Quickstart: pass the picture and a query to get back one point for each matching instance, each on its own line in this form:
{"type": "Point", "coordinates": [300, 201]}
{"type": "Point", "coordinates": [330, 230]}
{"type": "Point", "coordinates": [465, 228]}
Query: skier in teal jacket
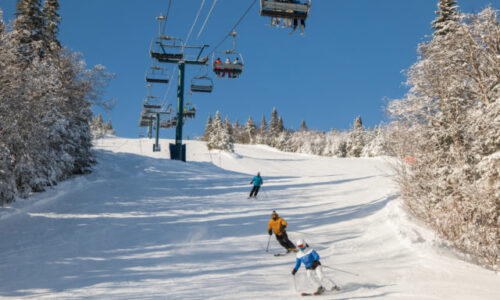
{"type": "Point", "coordinates": [257, 182]}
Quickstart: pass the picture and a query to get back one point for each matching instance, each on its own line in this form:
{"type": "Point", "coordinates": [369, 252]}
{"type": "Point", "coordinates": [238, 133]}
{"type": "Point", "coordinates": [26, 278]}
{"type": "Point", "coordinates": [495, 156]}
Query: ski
{"type": "Point", "coordinates": [280, 254]}
{"type": "Point", "coordinates": [311, 294]}
{"type": "Point", "coordinates": [334, 289]}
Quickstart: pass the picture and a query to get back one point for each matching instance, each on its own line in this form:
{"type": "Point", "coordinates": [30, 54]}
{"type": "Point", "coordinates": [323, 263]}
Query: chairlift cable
{"type": "Point", "coordinates": [168, 11]}
{"type": "Point", "coordinates": [234, 27]}
{"type": "Point", "coordinates": [206, 20]}
{"type": "Point", "coordinates": [192, 26]}
{"type": "Point", "coordinates": [163, 101]}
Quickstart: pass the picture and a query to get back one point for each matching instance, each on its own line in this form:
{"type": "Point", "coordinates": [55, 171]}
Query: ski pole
{"type": "Point", "coordinates": [268, 241]}
{"type": "Point", "coordinates": [340, 270]}
{"type": "Point", "coordinates": [294, 283]}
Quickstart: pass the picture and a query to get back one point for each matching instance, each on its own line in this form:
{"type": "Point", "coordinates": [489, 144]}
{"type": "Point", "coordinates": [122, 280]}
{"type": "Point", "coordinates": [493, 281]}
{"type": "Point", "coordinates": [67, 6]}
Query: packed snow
{"type": "Point", "coordinates": [142, 226]}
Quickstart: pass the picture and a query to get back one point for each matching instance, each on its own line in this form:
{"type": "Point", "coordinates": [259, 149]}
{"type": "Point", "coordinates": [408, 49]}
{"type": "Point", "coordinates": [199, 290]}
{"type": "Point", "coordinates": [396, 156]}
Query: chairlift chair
{"type": "Point", "coordinates": [232, 68]}
{"type": "Point", "coordinates": [166, 48]}
{"type": "Point", "coordinates": [202, 84]}
{"type": "Point", "coordinates": [151, 102]}
{"type": "Point", "coordinates": [230, 63]}
{"type": "Point", "coordinates": [157, 75]}
{"type": "Point", "coordinates": [165, 124]}
{"type": "Point", "coordinates": [288, 10]}
{"type": "Point", "coordinates": [189, 111]}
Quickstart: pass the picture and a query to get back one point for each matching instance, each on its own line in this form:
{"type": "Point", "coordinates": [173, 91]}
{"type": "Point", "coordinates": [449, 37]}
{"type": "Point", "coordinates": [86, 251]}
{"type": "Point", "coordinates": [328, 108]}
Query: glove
{"type": "Point", "coordinates": [294, 271]}
{"type": "Point", "coordinates": [270, 232]}
{"type": "Point", "coordinates": [282, 228]}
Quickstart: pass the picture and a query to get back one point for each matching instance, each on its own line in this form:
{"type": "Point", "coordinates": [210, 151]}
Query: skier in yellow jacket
{"type": "Point", "coordinates": [278, 226]}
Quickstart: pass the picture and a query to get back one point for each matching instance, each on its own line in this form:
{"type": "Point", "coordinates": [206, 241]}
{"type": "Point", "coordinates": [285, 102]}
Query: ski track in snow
{"type": "Point", "coordinates": [144, 227]}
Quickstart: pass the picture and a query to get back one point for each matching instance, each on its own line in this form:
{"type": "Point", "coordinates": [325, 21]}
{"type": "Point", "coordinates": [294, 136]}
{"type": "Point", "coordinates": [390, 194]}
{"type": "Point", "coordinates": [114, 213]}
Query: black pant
{"type": "Point", "coordinates": [284, 241]}
{"type": "Point", "coordinates": [254, 191]}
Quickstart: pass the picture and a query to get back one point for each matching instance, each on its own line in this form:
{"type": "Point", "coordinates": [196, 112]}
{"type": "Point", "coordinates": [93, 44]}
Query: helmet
{"type": "Point", "coordinates": [301, 244]}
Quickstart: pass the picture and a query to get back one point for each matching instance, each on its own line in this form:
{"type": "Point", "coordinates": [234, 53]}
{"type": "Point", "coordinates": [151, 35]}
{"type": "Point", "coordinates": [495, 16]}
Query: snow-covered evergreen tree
{"type": "Point", "coordinates": [52, 20]}
{"type": "Point", "coordinates": [45, 105]}
{"type": "Point", "coordinates": [100, 128]}
{"type": "Point", "coordinates": [274, 130]}
{"type": "Point", "coordinates": [219, 137]}
{"type": "Point", "coordinates": [208, 128]}
{"type": "Point", "coordinates": [447, 12]}
{"type": "Point", "coordinates": [262, 131]}
{"type": "Point", "coordinates": [447, 125]}
{"type": "Point", "coordinates": [356, 140]}
{"type": "Point", "coordinates": [2, 25]}
{"type": "Point", "coordinates": [250, 131]}
{"type": "Point", "coordinates": [281, 126]}
{"type": "Point", "coordinates": [303, 126]}
{"type": "Point", "coordinates": [228, 126]}
{"type": "Point", "coordinates": [28, 33]}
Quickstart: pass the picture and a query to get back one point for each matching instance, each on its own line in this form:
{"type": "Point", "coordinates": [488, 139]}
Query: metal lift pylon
{"type": "Point", "coordinates": [159, 52]}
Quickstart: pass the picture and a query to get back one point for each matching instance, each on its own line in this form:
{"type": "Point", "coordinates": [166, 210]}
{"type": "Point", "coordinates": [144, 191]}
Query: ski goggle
{"type": "Point", "coordinates": [302, 246]}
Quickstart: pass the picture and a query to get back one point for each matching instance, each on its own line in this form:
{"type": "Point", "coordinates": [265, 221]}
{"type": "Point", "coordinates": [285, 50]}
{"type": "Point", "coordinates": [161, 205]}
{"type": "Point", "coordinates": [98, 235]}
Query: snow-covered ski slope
{"type": "Point", "coordinates": [144, 227]}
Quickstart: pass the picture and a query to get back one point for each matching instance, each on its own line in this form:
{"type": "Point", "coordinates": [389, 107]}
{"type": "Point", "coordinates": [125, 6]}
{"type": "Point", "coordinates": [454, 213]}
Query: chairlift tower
{"type": "Point", "coordinates": [170, 50]}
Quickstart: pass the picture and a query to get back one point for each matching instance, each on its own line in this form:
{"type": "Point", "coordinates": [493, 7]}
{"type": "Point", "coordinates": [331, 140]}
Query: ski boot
{"type": "Point", "coordinates": [320, 291]}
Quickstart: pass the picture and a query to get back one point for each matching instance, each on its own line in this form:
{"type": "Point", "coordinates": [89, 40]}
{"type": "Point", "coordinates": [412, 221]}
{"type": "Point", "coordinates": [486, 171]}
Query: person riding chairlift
{"type": "Point", "coordinates": [217, 64]}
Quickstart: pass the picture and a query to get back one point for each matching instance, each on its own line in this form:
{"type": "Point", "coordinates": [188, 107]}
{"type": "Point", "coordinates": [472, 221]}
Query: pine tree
{"type": "Point", "coordinates": [303, 126]}
{"type": "Point", "coordinates": [229, 127]}
{"type": "Point", "coordinates": [250, 131]}
{"type": "Point", "coordinates": [208, 128]}
{"type": "Point", "coordinates": [273, 127]}
{"type": "Point", "coordinates": [2, 26]}
{"type": "Point", "coordinates": [28, 31]}
{"type": "Point", "coordinates": [52, 20]}
{"type": "Point", "coordinates": [447, 12]}
{"type": "Point", "coordinates": [356, 140]}
{"type": "Point", "coordinates": [219, 137]}
{"type": "Point", "coordinates": [281, 127]}
{"type": "Point", "coordinates": [237, 132]}
{"type": "Point", "coordinates": [262, 133]}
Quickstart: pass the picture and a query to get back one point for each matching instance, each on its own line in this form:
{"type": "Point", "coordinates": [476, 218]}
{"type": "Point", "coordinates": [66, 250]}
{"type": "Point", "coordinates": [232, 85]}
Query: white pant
{"type": "Point", "coordinates": [320, 277]}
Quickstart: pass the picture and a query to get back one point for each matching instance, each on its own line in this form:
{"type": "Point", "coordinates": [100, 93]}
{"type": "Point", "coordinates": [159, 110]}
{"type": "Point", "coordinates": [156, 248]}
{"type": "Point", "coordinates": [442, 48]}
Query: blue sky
{"type": "Point", "coordinates": [349, 63]}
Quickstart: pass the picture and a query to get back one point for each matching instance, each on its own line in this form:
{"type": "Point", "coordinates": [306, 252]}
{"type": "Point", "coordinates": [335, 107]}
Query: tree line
{"type": "Point", "coordinates": [356, 142]}
{"type": "Point", "coordinates": [46, 94]}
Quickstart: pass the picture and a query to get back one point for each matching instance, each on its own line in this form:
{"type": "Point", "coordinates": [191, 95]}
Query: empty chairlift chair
{"type": "Point", "coordinates": [157, 75]}
{"type": "Point", "coordinates": [202, 84]}
{"type": "Point", "coordinates": [166, 49]}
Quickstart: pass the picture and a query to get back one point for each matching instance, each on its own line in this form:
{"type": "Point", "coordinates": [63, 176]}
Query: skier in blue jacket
{"type": "Point", "coordinates": [310, 258]}
{"type": "Point", "coordinates": [257, 182]}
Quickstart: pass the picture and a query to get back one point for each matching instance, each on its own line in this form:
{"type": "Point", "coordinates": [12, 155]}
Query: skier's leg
{"type": "Point", "coordinates": [322, 278]}
{"type": "Point", "coordinates": [313, 279]}
{"type": "Point", "coordinates": [281, 241]}
{"type": "Point", "coordinates": [252, 192]}
{"type": "Point", "coordinates": [289, 244]}
{"type": "Point", "coordinates": [256, 191]}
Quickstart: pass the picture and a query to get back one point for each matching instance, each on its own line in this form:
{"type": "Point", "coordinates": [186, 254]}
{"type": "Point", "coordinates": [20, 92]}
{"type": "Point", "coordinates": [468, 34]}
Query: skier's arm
{"type": "Point", "coordinates": [283, 225]}
{"type": "Point", "coordinates": [297, 266]}
{"type": "Point", "coordinates": [315, 255]}
{"type": "Point", "coordinates": [269, 228]}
